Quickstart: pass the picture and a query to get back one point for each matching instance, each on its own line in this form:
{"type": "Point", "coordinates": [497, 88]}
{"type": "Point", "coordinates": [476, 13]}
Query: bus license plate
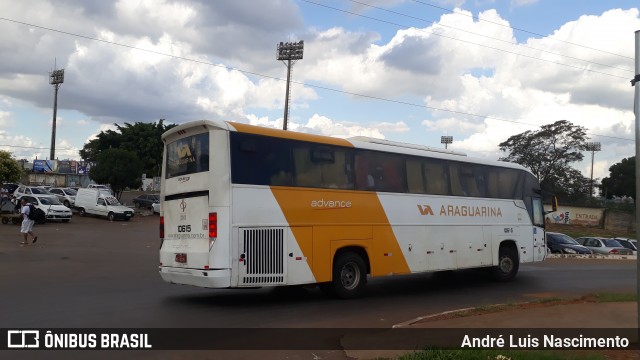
{"type": "Point", "coordinates": [181, 258]}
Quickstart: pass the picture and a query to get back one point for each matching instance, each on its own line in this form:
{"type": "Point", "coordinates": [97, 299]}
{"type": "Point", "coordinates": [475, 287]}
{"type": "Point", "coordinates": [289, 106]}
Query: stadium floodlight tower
{"type": "Point", "coordinates": [446, 140]}
{"type": "Point", "coordinates": [291, 52]}
{"type": "Point", "coordinates": [56, 78]}
{"type": "Point", "coordinates": [592, 146]}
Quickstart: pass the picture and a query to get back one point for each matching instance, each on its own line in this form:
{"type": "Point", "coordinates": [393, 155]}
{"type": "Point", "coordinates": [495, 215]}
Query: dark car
{"type": "Point", "coordinates": [559, 243]}
{"type": "Point", "coordinates": [145, 201]}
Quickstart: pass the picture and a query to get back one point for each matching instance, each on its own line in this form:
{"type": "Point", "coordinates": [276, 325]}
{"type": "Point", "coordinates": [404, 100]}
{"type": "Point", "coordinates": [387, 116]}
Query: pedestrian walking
{"type": "Point", "coordinates": [27, 224]}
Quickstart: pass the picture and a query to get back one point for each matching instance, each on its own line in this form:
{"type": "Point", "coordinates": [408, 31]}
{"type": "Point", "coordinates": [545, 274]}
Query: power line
{"type": "Point", "coordinates": [464, 41]}
{"type": "Point", "coordinates": [489, 37]}
{"type": "Point", "coordinates": [519, 29]}
{"type": "Point", "coordinates": [39, 148]}
{"type": "Point", "coordinates": [280, 79]}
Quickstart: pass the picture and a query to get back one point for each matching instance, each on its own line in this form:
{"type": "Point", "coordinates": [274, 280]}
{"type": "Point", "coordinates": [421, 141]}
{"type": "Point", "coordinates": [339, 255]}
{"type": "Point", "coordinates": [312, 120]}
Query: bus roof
{"type": "Point", "coordinates": [354, 142]}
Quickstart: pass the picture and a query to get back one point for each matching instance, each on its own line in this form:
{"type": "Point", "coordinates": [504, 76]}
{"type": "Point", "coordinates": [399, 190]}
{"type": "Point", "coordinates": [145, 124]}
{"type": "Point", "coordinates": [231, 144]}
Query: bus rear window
{"type": "Point", "coordinates": [188, 156]}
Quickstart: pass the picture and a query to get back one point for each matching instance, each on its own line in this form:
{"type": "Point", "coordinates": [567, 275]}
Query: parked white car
{"type": "Point", "coordinates": [156, 208]}
{"type": "Point", "coordinates": [29, 190]}
{"type": "Point", "coordinates": [66, 195]}
{"type": "Point", "coordinates": [52, 207]}
{"type": "Point", "coordinates": [103, 188]}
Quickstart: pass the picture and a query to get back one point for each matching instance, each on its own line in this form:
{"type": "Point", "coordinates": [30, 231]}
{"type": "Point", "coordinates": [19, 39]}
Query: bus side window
{"type": "Point", "coordinates": [415, 183]}
{"type": "Point", "coordinates": [277, 163]}
{"type": "Point", "coordinates": [364, 178]}
{"type": "Point", "coordinates": [435, 177]}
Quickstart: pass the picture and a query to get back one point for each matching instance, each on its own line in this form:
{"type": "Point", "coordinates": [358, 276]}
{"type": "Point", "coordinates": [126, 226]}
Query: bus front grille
{"type": "Point", "coordinates": [264, 256]}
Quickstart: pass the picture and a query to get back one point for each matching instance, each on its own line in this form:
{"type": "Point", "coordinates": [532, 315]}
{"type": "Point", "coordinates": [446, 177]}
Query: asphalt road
{"type": "Point", "coordinates": [95, 273]}
{"type": "Point", "coordinates": [92, 273]}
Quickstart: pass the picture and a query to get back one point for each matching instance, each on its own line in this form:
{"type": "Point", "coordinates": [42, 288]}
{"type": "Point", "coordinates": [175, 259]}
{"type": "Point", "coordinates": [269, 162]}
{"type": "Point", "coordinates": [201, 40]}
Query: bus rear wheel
{"type": "Point", "coordinates": [508, 264]}
{"type": "Point", "coordinates": [349, 276]}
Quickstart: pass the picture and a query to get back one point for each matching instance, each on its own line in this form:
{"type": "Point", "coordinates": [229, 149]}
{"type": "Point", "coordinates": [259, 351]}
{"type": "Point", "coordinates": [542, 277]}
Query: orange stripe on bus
{"type": "Point", "coordinates": [260, 130]}
{"type": "Point", "coordinates": [323, 221]}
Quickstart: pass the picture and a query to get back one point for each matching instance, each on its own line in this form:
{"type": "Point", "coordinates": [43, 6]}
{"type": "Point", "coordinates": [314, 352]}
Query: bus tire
{"type": "Point", "coordinates": [349, 276]}
{"type": "Point", "coordinates": [508, 264]}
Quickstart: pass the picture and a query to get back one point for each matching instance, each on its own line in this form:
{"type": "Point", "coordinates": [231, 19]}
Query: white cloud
{"type": "Point", "coordinates": [101, 128]}
{"type": "Point", "coordinates": [322, 125]}
{"type": "Point", "coordinates": [5, 119]}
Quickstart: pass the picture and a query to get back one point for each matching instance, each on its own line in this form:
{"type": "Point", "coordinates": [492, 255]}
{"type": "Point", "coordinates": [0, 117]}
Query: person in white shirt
{"type": "Point", "coordinates": [27, 224]}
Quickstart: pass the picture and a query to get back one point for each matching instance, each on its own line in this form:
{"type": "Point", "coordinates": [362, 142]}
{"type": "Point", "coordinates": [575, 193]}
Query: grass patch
{"type": "Point", "coordinates": [550, 300]}
{"type": "Point", "coordinates": [438, 354]}
{"type": "Point", "coordinates": [616, 297]}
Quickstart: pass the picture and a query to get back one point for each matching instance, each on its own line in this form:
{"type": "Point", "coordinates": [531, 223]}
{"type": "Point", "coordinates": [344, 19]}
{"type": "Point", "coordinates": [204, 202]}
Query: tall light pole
{"type": "Point", "coordinates": [56, 77]}
{"type": "Point", "coordinates": [592, 146]}
{"type": "Point", "coordinates": [636, 109]}
{"type": "Point", "coordinates": [289, 51]}
{"type": "Point", "coordinates": [446, 140]}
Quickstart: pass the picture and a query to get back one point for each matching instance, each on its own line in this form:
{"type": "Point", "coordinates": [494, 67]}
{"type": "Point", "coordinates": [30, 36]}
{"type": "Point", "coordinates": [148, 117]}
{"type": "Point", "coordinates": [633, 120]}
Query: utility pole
{"type": "Point", "coordinates": [636, 109]}
{"type": "Point", "coordinates": [592, 146]}
{"type": "Point", "coordinates": [289, 51]}
{"type": "Point", "coordinates": [446, 140]}
{"type": "Point", "coordinates": [56, 78]}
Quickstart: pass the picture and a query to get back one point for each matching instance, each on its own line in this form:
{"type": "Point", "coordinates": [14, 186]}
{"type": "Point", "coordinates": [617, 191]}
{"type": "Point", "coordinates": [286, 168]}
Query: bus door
{"type": "Point", "coordinates": [186, 228]}
{"type": "Point", "coordinates": [539, 245]}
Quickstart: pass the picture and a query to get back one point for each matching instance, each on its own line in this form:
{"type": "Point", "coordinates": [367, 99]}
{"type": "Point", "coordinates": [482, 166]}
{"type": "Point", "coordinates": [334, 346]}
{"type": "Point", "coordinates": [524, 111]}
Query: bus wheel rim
{"type": "Point", "coordinates": [350, 276]}
{"type": "Point", "coordinates": [506, 265]}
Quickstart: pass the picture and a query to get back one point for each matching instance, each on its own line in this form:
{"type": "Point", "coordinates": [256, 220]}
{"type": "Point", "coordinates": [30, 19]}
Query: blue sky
{"type": "Point", "coordinates": [403, 70]}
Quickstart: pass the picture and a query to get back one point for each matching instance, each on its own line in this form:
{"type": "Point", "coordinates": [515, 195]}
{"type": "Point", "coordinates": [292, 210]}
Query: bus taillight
{"type": "Point", "coordinates": [161, 227]}
{"type": "Point", "coordinates": [213, 225]}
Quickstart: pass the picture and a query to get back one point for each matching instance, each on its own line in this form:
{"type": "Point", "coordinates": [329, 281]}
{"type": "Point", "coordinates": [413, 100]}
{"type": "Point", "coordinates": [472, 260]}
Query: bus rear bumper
{"type": "Point", "coordinates": [197, 277]}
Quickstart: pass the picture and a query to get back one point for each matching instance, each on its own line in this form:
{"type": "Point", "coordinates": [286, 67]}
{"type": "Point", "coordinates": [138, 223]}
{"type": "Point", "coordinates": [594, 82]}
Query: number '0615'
{"type": "Point", "coordinates": [184, 228]}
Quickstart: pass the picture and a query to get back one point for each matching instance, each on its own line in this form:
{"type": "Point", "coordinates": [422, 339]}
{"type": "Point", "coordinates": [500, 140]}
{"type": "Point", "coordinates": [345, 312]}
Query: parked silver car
{"type": "Point", "coordinates": [603, 246]}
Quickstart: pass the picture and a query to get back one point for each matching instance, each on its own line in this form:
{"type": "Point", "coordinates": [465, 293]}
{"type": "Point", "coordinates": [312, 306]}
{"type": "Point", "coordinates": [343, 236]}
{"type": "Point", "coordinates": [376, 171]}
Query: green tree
{"type": "Point", "coordinates": [10, 169]}
{"type": "Point", "coordinates": [621, 180]}
{"type": "Point", "coordinates": [118, 168]}
{"type": "Point", "coordinates": [548, 153]}
{"type": "Point", "coordinates": [143, 139]}
{"type": "Point", "coordinates": [570, 185]}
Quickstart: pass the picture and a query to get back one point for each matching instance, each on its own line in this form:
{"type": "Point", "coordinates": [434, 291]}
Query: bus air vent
{"type": "Point", "coordinates": [264, 256]}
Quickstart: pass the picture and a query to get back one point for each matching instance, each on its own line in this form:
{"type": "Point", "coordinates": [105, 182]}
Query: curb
{"type": "Point", "coordinates": [592, 256]}
{"type": "Point", "coordinates": [420, 318]}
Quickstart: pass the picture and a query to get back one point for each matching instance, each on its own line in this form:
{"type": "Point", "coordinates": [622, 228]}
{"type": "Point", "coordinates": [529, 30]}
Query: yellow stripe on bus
{"type": "Point", "coordinates": [323, 221]}
{"type": "Point", "coordinates": [259, 130]}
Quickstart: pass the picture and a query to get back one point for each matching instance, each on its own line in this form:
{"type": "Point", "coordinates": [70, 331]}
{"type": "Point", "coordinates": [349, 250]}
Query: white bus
{"type": "Point", "coordinates": [247, 206]}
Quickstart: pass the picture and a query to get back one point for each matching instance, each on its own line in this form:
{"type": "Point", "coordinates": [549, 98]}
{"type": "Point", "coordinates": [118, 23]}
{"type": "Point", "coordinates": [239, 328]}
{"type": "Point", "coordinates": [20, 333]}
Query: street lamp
{"type": "Point", "coordinates": [289, 51]}
{"type": "Point", "coordinates": [56, 77]}
{"type": "Point", "coordinates": [446, 140]}
{"type": "Point", "coordinates": [592, 146]}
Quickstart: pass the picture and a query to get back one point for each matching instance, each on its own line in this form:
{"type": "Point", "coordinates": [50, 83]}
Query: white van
{"type": "Point", "coordinates": [94, 201]}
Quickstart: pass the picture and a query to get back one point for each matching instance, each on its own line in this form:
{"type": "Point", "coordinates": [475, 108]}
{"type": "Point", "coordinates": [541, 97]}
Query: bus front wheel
{"type": "Point", "coordinates": [349, 276]}
{"type": "Point", "coordinates": [508, 264]}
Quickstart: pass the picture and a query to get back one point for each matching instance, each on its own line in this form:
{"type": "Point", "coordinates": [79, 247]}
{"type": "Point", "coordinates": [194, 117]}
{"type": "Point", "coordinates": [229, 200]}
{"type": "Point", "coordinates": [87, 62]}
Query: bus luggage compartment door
{"type": "Point", "coordinates": [262, 259]}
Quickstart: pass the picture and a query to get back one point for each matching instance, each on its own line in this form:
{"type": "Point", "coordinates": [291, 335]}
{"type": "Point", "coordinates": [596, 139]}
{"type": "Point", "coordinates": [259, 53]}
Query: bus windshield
{"type": "Point", "coordinates": [188, 156]}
